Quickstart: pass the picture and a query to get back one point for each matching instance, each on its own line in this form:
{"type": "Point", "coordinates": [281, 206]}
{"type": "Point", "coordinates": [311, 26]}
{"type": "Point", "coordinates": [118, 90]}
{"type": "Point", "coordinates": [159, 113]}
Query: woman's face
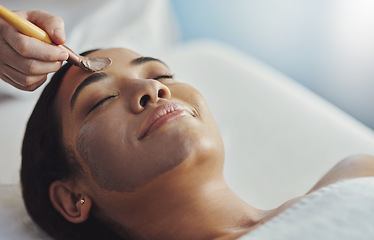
{"type": "Point", "coordinates": [133, 122]}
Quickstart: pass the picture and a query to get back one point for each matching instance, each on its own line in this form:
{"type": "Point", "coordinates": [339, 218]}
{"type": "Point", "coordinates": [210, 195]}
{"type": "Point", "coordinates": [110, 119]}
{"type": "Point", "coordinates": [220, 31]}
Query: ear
{"type": "Point", "coordinates": [67, 203]}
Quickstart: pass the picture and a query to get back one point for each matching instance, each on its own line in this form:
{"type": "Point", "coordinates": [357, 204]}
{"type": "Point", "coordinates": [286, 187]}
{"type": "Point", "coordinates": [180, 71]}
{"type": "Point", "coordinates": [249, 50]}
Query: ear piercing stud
{"type": "Point", "coordinates": [82, 201]}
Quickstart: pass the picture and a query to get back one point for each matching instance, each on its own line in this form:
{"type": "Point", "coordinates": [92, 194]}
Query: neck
{"type": "Point", "coordinates": [206, 211]}
{"type": "Point", "coordinates": [213, 212]}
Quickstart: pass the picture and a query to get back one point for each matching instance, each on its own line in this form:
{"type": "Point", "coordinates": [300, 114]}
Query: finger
{"type": "Point", "coordinates": [53, 25]}
{"type": "Point", "coordinates": [18, 86]}
{"type": "Point", "coordinates": [36, 67]}
{"type": "Point", "coordinates": [31, 66]}
{"type": "Point", "coordinates": [9, 81]}
{"type": "Point", "coordinates": [28, 66]}
{"type": "Point", "coordinates": [28, 82]}
{"type": "Point", "coordinates": [31, 47]}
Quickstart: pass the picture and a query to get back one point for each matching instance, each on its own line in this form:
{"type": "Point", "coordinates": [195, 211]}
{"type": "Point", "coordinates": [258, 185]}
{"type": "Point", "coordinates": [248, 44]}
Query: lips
{"type": "Point", "coordinates": [162, 115]}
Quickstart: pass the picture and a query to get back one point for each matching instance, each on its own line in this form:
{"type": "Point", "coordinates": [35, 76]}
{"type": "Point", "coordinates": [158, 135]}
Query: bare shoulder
{"type": "Point", "coordinates": [351, 167]}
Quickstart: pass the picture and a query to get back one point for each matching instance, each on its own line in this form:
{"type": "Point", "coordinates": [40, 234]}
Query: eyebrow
{"type": "Point", "coordinates": [141, 60]}
{"type": "Point", "coordinates": [89, 80]}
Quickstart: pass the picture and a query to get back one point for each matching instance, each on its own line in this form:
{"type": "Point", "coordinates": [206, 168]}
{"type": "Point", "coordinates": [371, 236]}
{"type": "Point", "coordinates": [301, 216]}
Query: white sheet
{"type": "Point", "coordinates": [342, 211]}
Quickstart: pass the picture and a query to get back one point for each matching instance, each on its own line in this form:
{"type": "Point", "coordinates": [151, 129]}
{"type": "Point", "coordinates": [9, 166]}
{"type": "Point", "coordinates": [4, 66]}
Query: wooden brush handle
{"type": "Point", "coordinates": [23, 26]}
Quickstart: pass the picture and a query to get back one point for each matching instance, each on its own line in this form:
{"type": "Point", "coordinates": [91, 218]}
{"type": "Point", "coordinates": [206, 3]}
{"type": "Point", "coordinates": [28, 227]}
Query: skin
{"type": "Point", "coordinates": [107, 138]}
{"type": "Point", "coordinates": [168, 185]}
{"type": "Point", "coordinates": [25, 61]}
{"type": "Point", "coordinates": [132, 163]}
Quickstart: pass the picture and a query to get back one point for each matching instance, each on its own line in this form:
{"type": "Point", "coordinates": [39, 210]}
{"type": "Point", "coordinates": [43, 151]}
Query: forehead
{"type": "Point", "coordinates": [120, 57]}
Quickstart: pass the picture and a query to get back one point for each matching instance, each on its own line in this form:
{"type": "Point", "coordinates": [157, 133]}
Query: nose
{"type": "Point", "coordinates": [147, 91]}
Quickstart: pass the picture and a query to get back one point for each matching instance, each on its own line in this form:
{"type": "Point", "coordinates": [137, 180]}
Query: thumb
{"type": "Point", "coordinates": [53, 25]}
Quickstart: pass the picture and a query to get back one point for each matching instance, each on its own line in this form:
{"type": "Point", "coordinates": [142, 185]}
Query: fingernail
{"type": "Point", "coordinates": [60, 34]}
{"type": "Point", "coordinates": [63, 56]}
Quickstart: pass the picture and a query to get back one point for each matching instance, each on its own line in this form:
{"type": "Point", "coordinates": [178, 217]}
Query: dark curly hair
{"type": "Point", "coordinates": [45, 160]}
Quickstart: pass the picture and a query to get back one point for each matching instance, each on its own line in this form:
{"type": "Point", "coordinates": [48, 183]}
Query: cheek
{"type": "Point", "coordinates": [118, 161]}
{"type": "Point", "coordinates": [98, 143]}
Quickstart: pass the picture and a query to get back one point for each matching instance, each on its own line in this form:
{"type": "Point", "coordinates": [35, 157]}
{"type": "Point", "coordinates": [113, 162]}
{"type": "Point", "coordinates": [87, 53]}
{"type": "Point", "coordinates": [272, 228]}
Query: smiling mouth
{"type": "Point", "coordinates": [162, 115]}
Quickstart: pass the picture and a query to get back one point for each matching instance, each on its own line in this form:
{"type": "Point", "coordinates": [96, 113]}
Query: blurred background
{"type": "Point", "coordinates": [326, 45]}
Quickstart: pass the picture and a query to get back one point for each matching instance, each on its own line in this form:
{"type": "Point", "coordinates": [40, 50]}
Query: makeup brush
{"type": "Point", "coordinates": [31, 30]}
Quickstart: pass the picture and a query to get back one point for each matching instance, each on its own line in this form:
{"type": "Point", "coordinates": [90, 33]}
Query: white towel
{"type": "Point", "coordinates": [340, 211]}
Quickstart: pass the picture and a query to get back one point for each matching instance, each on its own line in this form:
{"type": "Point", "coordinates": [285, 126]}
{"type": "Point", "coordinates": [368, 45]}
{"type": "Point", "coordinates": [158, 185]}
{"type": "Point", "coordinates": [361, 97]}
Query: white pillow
{"type": "Point", "coordinates": [14, 221]}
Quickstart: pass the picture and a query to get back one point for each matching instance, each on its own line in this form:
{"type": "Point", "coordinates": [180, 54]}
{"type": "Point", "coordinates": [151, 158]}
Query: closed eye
{"type": "Point", "coordinates": [100, 103]}
{"type": "Point", "coordinates": [164, 76]}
